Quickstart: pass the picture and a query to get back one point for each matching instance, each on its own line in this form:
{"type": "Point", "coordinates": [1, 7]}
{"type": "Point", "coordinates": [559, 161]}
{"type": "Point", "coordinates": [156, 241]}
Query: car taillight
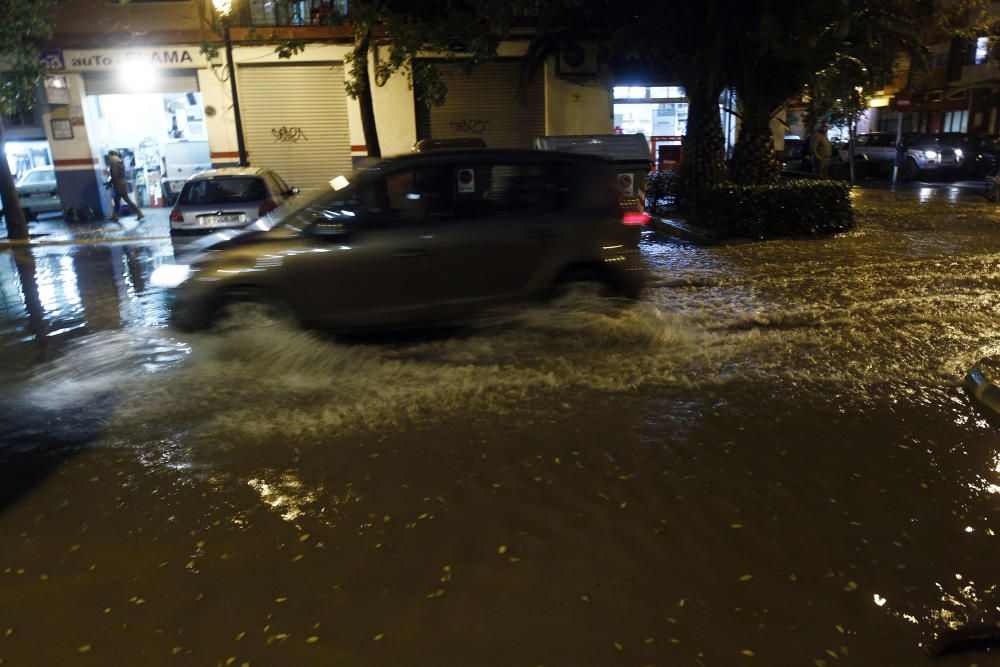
{"type": "Point", "coordinates": [176, 216]}
{"type": "Point", "coordinates": [266, 208]}
{"type": "Point", "coordinates": [635, 218]}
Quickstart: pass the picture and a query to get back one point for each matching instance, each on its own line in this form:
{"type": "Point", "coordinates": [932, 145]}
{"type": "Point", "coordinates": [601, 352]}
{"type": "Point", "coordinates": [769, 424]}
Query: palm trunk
{"type": "Point", "coordinates": [17, 226]}
{"type": "Point", "coordinates": [753, 156]}
{"type": "Point", "coordinates": [703, 165]}
{"type": "Point", "coordinates": [362, 79]}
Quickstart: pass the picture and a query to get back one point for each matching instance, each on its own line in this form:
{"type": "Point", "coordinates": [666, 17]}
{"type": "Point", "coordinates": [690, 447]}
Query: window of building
{"type": "Point", "coordinates": [982, 50]}
{"type": "Point", "coordinates": [956, 121]}
{"type": "Point", "coordinates": [666, 92]}
{"type": "Point", "coordinates": [296, 12]}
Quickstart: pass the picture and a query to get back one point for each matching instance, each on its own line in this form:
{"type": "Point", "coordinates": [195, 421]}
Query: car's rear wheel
{"type": "Point", "coordinates": [252, 308]}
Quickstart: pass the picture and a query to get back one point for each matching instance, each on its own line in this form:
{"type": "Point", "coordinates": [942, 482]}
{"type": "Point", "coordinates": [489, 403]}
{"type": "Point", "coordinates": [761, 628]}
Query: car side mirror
{"type": "Point", "coordinates": [293, 191]}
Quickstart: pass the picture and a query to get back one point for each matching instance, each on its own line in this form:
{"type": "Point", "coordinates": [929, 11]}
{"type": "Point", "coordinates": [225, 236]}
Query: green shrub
{"type": "Point", "coordinates": [661, 191]}
{"type": "Point", "coordinates": [790, 208]}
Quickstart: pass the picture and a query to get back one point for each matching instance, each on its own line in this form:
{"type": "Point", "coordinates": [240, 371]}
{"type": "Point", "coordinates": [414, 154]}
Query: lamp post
{"type": "Point", "coordinates": [224, 9]}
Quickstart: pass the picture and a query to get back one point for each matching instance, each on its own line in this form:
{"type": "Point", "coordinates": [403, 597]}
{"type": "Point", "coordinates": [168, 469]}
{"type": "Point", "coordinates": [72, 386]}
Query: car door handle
{"type": "Point", "coordinates": [411, 252]}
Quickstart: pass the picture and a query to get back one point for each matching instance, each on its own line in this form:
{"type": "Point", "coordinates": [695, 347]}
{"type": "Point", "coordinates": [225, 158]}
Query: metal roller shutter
{"type": "Point", "coordinates": [295, 121]}
{"type": "Point", "coordinates": [486, 104]}
{"type": "Point", "coordinates": [171, 81]}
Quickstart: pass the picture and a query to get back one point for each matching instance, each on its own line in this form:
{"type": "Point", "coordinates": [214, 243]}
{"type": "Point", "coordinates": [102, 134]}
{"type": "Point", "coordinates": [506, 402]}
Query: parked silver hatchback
{"type": "Point", "coordinates": [222, 198]}
{"type": "Point", "coordinates": [422, 239]}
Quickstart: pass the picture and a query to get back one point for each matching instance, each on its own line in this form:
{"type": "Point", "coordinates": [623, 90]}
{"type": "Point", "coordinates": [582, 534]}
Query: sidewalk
{"type": "Point", "coordinates": [55, 230]}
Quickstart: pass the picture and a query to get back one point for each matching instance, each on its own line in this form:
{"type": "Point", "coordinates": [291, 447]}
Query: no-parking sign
{"type": "Point", "coordinates": [626, 184]}
{"type": "Point", "coordinates": [466, 180]}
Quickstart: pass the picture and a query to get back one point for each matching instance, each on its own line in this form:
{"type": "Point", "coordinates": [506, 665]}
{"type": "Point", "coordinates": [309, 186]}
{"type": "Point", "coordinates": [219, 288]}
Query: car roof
{"type": "Point", "coordinates": [485, 154]}
{"type": "Point", "coordinates": [229, 172]}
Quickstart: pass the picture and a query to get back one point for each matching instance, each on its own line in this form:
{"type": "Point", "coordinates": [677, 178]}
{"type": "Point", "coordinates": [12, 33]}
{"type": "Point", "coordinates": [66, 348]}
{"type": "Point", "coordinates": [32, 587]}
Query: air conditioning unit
{"type": "Point", "coordinates": [577, 59]}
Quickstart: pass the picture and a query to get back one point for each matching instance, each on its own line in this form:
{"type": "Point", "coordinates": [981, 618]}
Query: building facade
{"type": "Point", "coordinates": [134, 77]}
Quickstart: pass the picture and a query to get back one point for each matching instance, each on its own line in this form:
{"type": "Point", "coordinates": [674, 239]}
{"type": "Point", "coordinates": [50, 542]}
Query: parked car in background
{"type": "Point", "coordinates": [925, 155]}
{"type": "Point", "coordinates": [980, 153]}
{"type": "Point", "coordinates": [232, 197]}
{"type": "Point", "coordinates": [37, 192]}
{"type": "Point", "coordinates": [871, 146]}
{"type": "Point", "coordinates": [181, 160]}
{"type": "Point", "coordinates": [422, 239]}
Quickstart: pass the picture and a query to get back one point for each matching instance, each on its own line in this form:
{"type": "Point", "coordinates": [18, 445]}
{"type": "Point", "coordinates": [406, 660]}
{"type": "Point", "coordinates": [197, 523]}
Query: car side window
{"type": "Point", "coordinates": [500, 190]}
{"type": "Point", "coordinates": [406, 196]}
{"type": "Point", "coordinates": [282, 186]}
{"type": "Point", "coordinates": [862, 140]}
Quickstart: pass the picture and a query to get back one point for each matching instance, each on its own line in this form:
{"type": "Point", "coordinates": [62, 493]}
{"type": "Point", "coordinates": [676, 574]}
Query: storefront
{"type": "Point", "coordinates": [486, 104]}
{"type": "Point", "coordinates": [295, 120]}
{"type": "Point", "coordinates": [661, 114]}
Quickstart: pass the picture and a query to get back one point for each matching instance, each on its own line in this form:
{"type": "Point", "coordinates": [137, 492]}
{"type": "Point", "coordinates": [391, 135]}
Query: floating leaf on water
{"type": "Point", "coordinates": [832, 654]}
{"type": "Point", "coordinates": [502, 550]}
{"type": "Point", "coordinates": [303, 537]}
{"type": "Point", "coordinates": [746, 577]}
{"type": "Point", "coordinates": [312, 640]}
{"type": "Point", "coordinates": [84, 648]}
{"type": "Point", "coordinates": [585, 598]}
{"type": "Point", "coordinates": [281, 599]}
{"type": "Point", "coordinates": [379, 636]}
{"type": "Point", "coordinates": [240, 636]}
{"type": "Point", "coordinates": [297, 558]}
{"type": "Point", "coordinates": [736, 525]}
{"type": "Point", "coordinates": [514, 559]}
{"type": "Point", "coordinates": [648, 640]}
{"type": "Point", "coordinates": [175, 650]}
{"type": "Point", "coordinates": [230, 660]}
{"type": "Point", "coordinates": [840, 628]}
{"type": "Point", "coordinates": [619, 646]}
{"type": "Point", "coordinates": [747, 652]}
{"type": "Point", "coordinates": [852, 585]}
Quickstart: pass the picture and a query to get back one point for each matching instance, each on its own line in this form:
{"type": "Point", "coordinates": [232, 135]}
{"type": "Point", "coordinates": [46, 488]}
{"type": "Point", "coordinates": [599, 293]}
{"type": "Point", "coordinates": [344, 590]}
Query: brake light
{"type": "Point", "coordinates": [266, 208]}
{"type": "Point", "coordinates": [176, 216]}
{"type": "Point", "coordinates": [635, 218]}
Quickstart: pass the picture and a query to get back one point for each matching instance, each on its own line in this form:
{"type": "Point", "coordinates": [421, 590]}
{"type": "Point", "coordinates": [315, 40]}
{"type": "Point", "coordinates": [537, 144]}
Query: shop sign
{"type": "Point", "coordinates": [168, 57]}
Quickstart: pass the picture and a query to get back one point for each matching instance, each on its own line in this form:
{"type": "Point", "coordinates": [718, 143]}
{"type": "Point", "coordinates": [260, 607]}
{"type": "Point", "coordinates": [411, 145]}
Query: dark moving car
{"type": "Point", "coordinates": [981, 153]}
{"type": "Point", "coordinates": [423, 239]}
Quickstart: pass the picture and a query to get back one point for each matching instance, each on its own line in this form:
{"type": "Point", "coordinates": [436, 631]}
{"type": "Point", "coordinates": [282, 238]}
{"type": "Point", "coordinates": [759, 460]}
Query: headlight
{"type": "Point", "coordinates": [170, 275]}
{"type": "Point", "coordinates": [930, 155]}
{"type": "Point", "coordinates": [959, 153]}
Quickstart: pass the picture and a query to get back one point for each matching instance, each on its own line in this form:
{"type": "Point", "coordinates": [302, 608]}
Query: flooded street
{"type": "Point", "coordinates": [767, 460]}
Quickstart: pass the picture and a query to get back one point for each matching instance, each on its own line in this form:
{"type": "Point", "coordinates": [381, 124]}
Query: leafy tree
{"type": "Point", "coordinates": [22, 24]}
{"type": "Point", "coordinates": [784, 45]}
{"type": "Point", "coordinates": [396, 35]}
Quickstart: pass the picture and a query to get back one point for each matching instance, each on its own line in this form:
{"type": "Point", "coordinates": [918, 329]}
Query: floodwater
{"type": "Point", "coordinates": [768, 460]}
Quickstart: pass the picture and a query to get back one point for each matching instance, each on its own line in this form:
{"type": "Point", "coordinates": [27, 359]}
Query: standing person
{"type": "Point", "coordinates": [119, 186]}
{"type": "Point", "coordinates": [821, 151]}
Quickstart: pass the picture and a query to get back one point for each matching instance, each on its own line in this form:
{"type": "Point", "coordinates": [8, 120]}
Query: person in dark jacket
{"type": "Point", "coordinates": [119, 186]}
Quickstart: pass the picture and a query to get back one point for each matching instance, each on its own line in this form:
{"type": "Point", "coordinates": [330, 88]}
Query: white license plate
{"type": "Point", "coordinates": [225, 219]}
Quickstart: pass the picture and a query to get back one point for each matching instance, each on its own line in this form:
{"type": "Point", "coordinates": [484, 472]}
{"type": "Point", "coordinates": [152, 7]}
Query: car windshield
{"type": "Point", "coordinates": [224, 190]}
{"type": "Point", "coordinates": [33, 177]}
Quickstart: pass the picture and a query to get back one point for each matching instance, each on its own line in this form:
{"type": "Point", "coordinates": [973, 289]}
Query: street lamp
{"type": "Point", "coordinates": [224, 10]}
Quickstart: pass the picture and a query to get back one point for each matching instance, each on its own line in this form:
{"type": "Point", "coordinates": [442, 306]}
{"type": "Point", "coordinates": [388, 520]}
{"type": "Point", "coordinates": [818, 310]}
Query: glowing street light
{"type": "Point", "coordinates": [224, 9]}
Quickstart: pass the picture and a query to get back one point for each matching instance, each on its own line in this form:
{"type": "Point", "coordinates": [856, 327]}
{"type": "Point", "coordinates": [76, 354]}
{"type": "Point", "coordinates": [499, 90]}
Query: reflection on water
{"type": "Point", "coordinates": [772, 442]}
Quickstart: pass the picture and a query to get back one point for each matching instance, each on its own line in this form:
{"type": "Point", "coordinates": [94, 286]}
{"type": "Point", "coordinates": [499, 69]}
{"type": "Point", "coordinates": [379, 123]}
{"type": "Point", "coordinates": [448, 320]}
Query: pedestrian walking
{"type": "Point", "coordinates": [821, 151]}
{"type": "Point", "coordinates": [119, 186]}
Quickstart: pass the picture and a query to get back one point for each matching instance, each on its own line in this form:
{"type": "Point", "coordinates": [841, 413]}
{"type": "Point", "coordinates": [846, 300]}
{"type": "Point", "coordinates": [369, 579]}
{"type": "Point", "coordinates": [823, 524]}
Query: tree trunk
{"type": "Point", "coordinates": [753, 156]}
{"type": "Point", "coordinates": [362, 44]}
{"type": "Point", "coordinates": [17, 226]}
{"type": "Point", "coordinates": [703, 165]}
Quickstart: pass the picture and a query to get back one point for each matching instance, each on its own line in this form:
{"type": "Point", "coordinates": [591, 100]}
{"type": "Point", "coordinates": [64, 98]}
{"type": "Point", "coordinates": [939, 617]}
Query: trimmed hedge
{"type": "Point", "coordinates": [788, 209]}
{"type": "Point", "coordinates": [661, 190]}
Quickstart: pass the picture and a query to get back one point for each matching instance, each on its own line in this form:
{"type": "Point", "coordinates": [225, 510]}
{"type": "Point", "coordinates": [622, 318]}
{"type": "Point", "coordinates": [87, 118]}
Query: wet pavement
{"type": "Point", "coordinates": [768, 460]}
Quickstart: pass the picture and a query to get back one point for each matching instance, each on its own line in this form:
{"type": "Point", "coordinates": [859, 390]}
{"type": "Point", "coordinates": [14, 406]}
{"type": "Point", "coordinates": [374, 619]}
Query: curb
{"type": "Point", "coordinates": [682, 230]}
